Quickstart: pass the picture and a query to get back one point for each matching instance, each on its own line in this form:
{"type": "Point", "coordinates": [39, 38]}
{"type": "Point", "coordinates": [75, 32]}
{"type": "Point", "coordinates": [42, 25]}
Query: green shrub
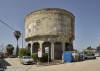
{"type": "Point", "coordinates": [23, 52]}
{"type": "Point", "coordinates": [43, 59]}
{"type": "Point", "coordinates": [85, 52]}
{"type": "Point", "coordinates": [35, 56]}
{"type": "Point", "coordinates": [89, 52]}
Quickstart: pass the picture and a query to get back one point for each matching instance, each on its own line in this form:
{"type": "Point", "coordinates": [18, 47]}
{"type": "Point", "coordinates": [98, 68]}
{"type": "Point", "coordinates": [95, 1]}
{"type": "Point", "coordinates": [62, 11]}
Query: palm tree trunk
{"type": "Point", "coordinates": [17, 48]}
{"type": "Point", "coordinates": [17, 42]}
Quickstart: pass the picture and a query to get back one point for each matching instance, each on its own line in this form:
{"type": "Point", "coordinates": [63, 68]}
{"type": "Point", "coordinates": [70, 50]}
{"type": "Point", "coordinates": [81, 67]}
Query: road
{"type": "Point", "coordinates": [13, 64]}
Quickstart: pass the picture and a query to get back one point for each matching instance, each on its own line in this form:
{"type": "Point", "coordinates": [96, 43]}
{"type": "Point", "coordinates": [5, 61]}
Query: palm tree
{"type": "Point", "coordinates": [9, 49]}
{"type": "Point", "coordinates": [17, 35]}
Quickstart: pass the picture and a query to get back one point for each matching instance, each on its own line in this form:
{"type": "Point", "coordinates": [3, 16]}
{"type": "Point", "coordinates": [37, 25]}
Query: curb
{"type": "Point", "coordinates": [49, 64]}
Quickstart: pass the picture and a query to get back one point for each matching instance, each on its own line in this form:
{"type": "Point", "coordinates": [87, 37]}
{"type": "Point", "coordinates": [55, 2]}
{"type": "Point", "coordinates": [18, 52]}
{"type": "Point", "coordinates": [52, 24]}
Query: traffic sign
{"type": "Point", "coordinates": [39, 52]}
{"type": "Point", "coordinates": [46, 49]}
{"type": "Point", "coordinates": [39, 49]}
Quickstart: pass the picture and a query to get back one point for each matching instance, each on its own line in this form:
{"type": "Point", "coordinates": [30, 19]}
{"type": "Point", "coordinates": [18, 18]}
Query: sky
{"type": "Point", "coordinates": [86, 12]}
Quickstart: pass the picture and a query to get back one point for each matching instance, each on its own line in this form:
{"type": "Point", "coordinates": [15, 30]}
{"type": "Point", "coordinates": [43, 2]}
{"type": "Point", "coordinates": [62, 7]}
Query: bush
{"type": "Point", "coordinates": [23, 52]}
{"type": "Point", "coordinates": [85, 52]}
{"type": "Point", "coordinates": [89, 52]}
{"type": "Point", "coordinates": [35, 56]}
{"type": "Point", "coordinates": [43, 59]}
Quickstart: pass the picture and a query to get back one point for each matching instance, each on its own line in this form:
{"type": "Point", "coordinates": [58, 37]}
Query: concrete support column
{"type": "Point", "coordinates": [52, 51]}
{"type": "Point", "coordinates": [31, 48]}
{"type": "Point", "coordinates": [63, 50]}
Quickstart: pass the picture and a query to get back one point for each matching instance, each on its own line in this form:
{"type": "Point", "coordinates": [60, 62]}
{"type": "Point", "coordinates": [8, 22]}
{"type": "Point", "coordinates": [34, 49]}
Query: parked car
{"type": "Point", "coordinates": [90, 56]}
{"type": "Point", "coordinates": [97, 55]}
{"type": "Point", "coordinates": [27, 60]}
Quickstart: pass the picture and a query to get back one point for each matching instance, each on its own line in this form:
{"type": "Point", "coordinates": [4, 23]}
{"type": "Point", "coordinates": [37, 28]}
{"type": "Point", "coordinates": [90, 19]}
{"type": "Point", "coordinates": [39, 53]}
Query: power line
{"type": "Point", "coordinates": [7, 25]}
{"type": "Point", "coordinates": [14, 30]}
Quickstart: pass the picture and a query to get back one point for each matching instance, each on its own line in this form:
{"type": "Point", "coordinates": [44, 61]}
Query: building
{"type": "Point", "coordinates": [50, 27]}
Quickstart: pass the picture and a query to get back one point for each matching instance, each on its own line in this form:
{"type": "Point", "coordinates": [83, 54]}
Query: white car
{"type": "Point", "coordinates": [27, 60]}
{"type": "Point", "coordinates": [97, 55]}
{"type": "Point", "coordinates": [90, 56]}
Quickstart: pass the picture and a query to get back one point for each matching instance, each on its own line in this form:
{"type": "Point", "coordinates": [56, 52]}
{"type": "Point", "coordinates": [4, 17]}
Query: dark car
{"type": "Point", "coordinates": [12, 56]}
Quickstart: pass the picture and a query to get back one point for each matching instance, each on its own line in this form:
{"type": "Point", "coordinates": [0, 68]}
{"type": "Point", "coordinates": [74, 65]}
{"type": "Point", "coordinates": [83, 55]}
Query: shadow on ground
{"type": "Point", "coordinates": [90, 59]}
{"type": "Point", "coordinates": [4, 65]}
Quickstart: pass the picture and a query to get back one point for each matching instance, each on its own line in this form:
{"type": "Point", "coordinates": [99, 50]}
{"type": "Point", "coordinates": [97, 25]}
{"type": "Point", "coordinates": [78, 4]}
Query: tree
{"type": "Point", "coordinates": [89, 47]}
{"type": "Point", "coordinates": [85, 52]}
{"type": "Point", "coordinates": [75, 50]}
{"type": "Point", "coordinates": [23, 52]}
{"type": "Point", "coordinates": [3, 48]}
{"type": "Point", "coordinates": [89, 52]}
{"type": "Point", "coordinates": [9, 49]}
{"type": "Point", "coordinates": [98, 47]}
{"type": "Point", "coordinates": [17, 35]}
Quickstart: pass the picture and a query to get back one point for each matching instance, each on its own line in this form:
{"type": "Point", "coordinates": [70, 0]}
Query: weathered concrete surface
{"type": "Point", "coordinates": [50, 25]}
{"type": "Point", "coordinates": [49, 21]}
{"type": "Point", "coordinates": [87, 65]}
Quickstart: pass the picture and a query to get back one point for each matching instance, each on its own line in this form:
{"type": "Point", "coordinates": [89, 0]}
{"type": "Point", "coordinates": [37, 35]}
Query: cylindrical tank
{"type": "Point", "coordinates": [49, 22]}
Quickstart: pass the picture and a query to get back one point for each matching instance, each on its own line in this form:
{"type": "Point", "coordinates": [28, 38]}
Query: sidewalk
{"type": "Point", "coordinates": [56, 62]}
